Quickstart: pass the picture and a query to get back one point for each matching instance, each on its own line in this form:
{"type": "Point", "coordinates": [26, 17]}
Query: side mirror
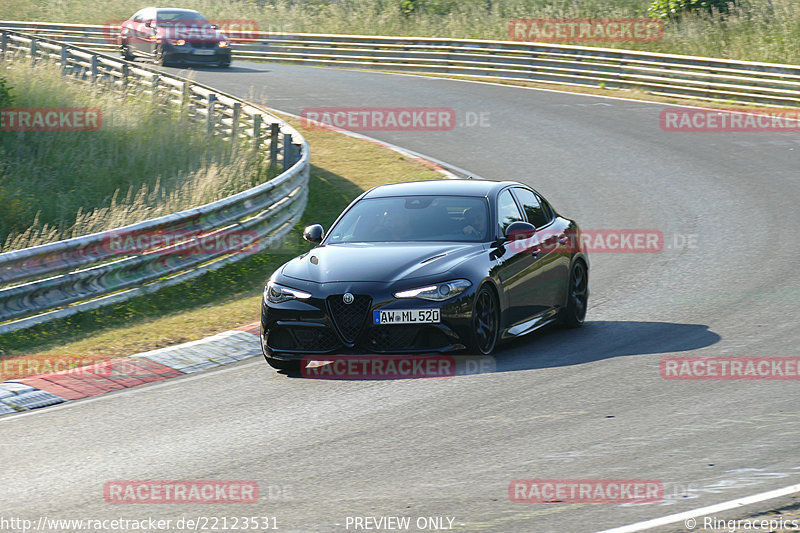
{"type": "Point", "coordinates": [149, 24]}
{"type": "Point", "coordinates": [519, 230]}
{"type": "Point", "coordinates": [314, 233]}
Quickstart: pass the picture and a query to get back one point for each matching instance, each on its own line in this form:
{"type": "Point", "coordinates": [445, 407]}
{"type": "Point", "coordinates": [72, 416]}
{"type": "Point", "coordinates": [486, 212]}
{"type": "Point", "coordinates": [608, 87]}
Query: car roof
{"type": "Point", "coordinates": [179, 9]}
{"type": "Point", "coordinates": [440, 187]}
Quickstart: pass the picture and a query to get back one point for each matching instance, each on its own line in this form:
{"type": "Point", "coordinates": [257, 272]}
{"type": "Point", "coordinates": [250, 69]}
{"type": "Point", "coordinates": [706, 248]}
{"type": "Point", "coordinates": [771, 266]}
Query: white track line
{"type": "Point", "coordinates": [689, 517]}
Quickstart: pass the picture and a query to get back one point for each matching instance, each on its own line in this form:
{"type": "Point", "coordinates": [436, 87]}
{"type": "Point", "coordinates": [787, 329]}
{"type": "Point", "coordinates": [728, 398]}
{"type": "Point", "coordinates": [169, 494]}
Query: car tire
{"type": "Point", "coordinates": [224, 64]}
{"type": "Point", "coordinates": [485, 331]}
{"type": "Point", "coordinates": [159, 56]}
{"type": "Point", "coordinates": [577, 296]}
{"type": "Point", "coordinates": [279, 364]}
{"type": "Point", "coordinates": [126, 52]}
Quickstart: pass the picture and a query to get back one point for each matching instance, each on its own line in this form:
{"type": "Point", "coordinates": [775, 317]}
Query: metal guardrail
{"type": "Point", "coordinates": [54, 280]}
{"type": "Point", "coordinates": [660, 74]}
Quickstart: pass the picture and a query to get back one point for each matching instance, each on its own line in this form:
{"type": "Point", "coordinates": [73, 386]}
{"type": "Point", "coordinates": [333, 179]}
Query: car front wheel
{"type": "Point", "coordinates": [577, 297]}
{"type": "Point", "coordinates": [159, 55]}
{"type": "Point", "coordinates": [125, 49]}
{"type": "Point", "coordinates": [485, 322]}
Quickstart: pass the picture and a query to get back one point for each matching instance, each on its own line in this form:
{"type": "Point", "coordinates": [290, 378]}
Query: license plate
{"type": "Point", "coordinates": [406, 316]}
{"type": "Point", "coordinates": [204, 52]}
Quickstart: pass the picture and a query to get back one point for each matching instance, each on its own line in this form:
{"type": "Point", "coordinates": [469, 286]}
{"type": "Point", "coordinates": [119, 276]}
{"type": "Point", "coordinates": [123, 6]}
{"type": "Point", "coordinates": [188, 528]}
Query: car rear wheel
{"type": "Point", "coordinates": [485, 322]}
{"type": "Point", "coordinates": [578, 296]}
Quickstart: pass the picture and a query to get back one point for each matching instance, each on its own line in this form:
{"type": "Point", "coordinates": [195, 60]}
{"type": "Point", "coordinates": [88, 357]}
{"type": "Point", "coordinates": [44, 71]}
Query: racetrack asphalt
{"type": "Point", "coordinates": [566, 405]}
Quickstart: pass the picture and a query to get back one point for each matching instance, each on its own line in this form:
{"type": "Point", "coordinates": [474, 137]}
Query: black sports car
{"type": "Point", "coordinates": [427, 267]}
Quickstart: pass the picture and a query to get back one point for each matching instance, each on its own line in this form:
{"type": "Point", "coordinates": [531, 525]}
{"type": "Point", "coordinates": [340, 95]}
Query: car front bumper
{"type": "Point", "coordinates": [197, 54]}
{"type": "Point", "coordinates": [323, 324]}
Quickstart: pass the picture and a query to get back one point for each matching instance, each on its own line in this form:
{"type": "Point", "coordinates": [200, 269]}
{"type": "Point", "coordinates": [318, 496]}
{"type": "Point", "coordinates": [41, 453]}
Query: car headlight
{"type": "Point", "coordinates": [276, 294]}
{"type": "Point", "coordinates": [437, 292]}
{"type": "Point", "coordinates": [223, 44]}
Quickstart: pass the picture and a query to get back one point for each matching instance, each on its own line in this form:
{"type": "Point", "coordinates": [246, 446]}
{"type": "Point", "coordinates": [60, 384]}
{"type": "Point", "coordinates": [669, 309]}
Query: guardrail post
{"type": "Point", "coordinates": [237, 112]}
{"type": "Point", "coordinates": [256, 131]}
{"type": "Point", "coordinates": [154, 88]}
{"type": "Point", "coordinates": [3, 46]}
{"type": "Point", "coordinates": [185, 97]}
{"type": "Point", "coordinates": [94, 69]}
{"type": "Point", "coordinates": [212, 100]}
{"type": "Point", "coordinates": [288, 151]}
{"type": "Point", "coordinates": [274, 132]}
{"type": "Point", "coordinates": [125, 74]}
{"type": "Point", "coordinates": [64, 56]}
{"type": "Point", "coordinates": [33, 51]}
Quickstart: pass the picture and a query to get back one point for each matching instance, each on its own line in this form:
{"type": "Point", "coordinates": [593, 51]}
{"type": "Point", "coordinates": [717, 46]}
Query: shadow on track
{"type": "Point", "coordinates": [551, 347]}
{"type": "Point", "coordinates": [186, 70]}
{"type": "Point", "coordinates": [601, 340]}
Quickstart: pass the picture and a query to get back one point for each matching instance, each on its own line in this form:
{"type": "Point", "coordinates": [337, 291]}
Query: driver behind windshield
{"type": "Point", "coordinates": [476, 223]}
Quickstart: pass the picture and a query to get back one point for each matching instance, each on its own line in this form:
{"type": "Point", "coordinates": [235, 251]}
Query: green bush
{"type": "Point", "coordinates": [673, 9]}
{"type": "Point", "coordinates": [5, 94]}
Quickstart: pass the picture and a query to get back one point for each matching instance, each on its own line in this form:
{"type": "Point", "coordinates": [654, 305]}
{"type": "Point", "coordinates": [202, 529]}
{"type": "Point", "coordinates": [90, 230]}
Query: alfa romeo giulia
{"type": "Point", "coordinates": [427, 267]}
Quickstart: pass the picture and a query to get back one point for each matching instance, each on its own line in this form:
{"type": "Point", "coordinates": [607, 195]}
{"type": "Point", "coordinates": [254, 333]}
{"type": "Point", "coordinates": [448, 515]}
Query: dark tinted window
{"type": "Point", "coordinates": [533, 209]}
{"type": "Point", "coordinates": [179, 16]}
{"type": "Point", "coordinates": [413, 218]}
{"type": "Point", "coordinates": [548, 209]}
{"type": "Point", "coordinates": [507, 211]}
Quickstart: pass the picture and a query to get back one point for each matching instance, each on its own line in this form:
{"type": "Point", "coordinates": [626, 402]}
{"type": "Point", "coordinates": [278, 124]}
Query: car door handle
{"type": "Point", "coordinates": [535, 251]}
{"type": "Point", "coordinates": [563, 239]}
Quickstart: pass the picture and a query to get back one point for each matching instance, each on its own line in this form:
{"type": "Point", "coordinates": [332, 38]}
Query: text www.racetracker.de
{"type": "Point", "coordinates": [196, 523]}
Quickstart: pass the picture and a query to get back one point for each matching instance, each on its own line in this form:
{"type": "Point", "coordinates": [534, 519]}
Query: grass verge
{"type": "Point", "coordinates": [342, 168]}
{"type": "Point", "coordinates": [142, 162]}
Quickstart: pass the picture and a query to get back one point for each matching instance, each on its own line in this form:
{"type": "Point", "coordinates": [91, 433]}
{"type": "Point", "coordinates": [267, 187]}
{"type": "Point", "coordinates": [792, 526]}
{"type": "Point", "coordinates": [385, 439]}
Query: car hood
{"type": "Point", "coordinates": [192, 33]}
{"type": "Point", "coordinates": [385, 262]}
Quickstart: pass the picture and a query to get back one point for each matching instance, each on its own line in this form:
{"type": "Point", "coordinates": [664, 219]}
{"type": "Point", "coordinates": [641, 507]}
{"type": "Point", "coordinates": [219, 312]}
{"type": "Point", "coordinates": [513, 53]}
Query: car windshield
{"type": "Point", "coordinates": [185, 17]}
{"type": "Point", "coordinates": [413, 218]}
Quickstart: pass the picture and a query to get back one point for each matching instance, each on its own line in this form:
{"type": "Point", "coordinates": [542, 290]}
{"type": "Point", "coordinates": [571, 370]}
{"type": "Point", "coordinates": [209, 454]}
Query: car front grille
{"type": "Point", "coordinates": [394, 338]}
{"type": "Point", "coordinates": [349, 319]}
{"type": "Point", "coordinates": [210, 45]}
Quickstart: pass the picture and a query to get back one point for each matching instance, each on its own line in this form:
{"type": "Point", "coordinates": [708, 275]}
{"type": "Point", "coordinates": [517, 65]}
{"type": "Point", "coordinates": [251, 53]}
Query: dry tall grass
{"type": "Point", "coordinates": [140, 164]}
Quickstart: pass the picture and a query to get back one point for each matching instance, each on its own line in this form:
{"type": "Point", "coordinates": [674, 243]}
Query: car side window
{"type": "Point", "coordinates": [533, 208]}
{"type": "Point", "coordinates": [507, 211]}
{"type": "Point", "coordinates": [138, 17]}
{"type": "Point", "coordinates": [547, 208]}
